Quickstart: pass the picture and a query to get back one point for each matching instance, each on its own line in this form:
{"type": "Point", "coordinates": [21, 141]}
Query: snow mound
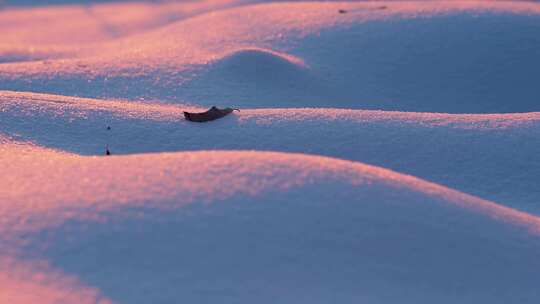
{"type": "Point", "coordinates": [93, 21]}
{"type": "Point", "coordinates": [258, 226]}
{"type": "Point", "coordinates": [259, 65]}
{"type": "Point", "coordinates": [230, 223]}
{"type": "Point", "coordinates": [253, 71]}
{"type": "Point", "coordinates": [475, 154]}
{"type": "Point", "coordinates": [455, 57]}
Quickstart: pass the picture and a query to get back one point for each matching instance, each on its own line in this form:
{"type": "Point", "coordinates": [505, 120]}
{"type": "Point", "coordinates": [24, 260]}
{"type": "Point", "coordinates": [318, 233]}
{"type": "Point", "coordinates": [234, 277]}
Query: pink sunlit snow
{"type": "Point", "coordinates": [384, 152]}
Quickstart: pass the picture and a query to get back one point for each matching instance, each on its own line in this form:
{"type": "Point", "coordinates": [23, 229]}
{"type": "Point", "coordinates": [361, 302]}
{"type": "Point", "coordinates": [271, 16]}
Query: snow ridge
{"type": "Point", "coordinates": [385, 152]}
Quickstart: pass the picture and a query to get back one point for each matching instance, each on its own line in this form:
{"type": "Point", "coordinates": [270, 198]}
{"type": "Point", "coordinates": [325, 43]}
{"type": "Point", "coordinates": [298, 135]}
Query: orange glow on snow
{"type": "Point", "coordinates": [49, 180]}
{"type": "Point", "coordinates": [36, 282]}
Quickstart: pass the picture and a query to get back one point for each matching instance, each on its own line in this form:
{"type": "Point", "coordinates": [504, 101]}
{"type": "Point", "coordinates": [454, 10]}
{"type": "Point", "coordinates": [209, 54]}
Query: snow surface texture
{"type": "Point", "coordinates": [476, 153]}
{"type": "Point", "coordinates": [435, 57]}
{"type": "Point", "coordinates": [203, 213]}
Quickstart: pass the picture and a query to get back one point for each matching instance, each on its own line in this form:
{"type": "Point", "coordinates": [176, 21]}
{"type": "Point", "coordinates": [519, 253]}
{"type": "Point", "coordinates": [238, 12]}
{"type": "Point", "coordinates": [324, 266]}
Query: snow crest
{"type": "Point", "coordinates": [384, 152]}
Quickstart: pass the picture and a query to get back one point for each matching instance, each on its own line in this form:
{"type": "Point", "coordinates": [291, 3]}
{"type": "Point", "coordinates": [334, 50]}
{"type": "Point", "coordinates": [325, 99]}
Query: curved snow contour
{"type": "Point", "coordinates": [475, 154]}
{"type": "Point", "coordinates": [40, 33]}
{"type": "Point", "coordinates": [42, 26]}
{"type": "Point", "coordinates": [253, 71]}
{"type": "Point", "coordinates": [456, 57]}
{"type": "Point", "coordinates": [242, 61]}
{"type": "Point", "coordinates": [201, 226]}
{"type": "Point", "coordinates": [36, 282]}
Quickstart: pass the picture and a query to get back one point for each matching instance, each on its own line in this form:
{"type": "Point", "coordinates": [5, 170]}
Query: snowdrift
{"type": "Point", "coordinates": [44, 25]}
{"type": "Point", "coordinates": [475, 154]}
{"type": "Point", "coordinates": [257, 226]}
{"type": "Point", "coordinates": [391, 56]}
{"type": "Point", "coordinates": [224, 221]}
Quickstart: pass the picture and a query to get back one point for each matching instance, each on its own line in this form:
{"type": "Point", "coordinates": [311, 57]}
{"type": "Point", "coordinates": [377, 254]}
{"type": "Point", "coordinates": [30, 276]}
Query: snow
{"type": "Point", "coordinates": [363, 59]}
{"type": "Point", "coordinates": [385, 154]}
{"type": "Point", "coordinates": [473, 153]}
{"type": "Point", "coordinates": [244, 226]}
